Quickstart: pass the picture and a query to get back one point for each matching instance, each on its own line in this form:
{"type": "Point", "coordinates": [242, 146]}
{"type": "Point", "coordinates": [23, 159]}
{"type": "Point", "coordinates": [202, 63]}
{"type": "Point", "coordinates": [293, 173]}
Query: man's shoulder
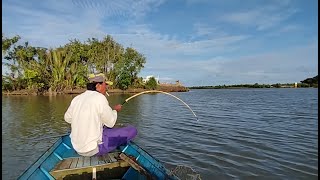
{"type": "Point", "coordinates": [83, 95]}
{"type": "Point", "coordinates": [93, 94]}
{"type": "Point", "coordinates": [98, 95]}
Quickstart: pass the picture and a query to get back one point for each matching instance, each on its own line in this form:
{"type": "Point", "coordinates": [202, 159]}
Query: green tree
{"type": "Point", "coordinates": [151, 83]}
{"type": "Point", "coordinates": [9, 51]}
{"type": "Point", "coordinates": [123, 80]}
{"type": "Point", "coordinates": [103, 55]}
{"type": "Point", "coordinates": [311, 81]}
{"type": "Point", "coordinates": [58, 61]}
{"type": "Point", "coordinates": [67, 67]}
{"type": "Point", "coordinates": [77, 69]}
{"type": "Point", "coordinates": [6, 85]}
{"type": "Point", "coordinates": [8, 42]}
{"type": "Point", "coordinates": [277, 85]}
{"type": "Point", "coordinates": [128, 68]}
{"type": "Point", "coordinates": [138, 83]}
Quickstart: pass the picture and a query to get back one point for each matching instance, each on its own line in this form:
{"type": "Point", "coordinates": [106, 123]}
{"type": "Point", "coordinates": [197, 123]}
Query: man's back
{"type": "Point", "coordinates": [84, 114]}
{"type": "Point", "coordinates": [92, 119]}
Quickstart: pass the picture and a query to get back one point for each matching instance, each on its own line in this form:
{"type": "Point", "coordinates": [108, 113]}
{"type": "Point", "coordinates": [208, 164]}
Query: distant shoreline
{"type": "Point", "coordinates": [256, 85]}
{"type": "Point", "coordinates": [167, 88]}
{"type": "Point", "coordinates": [251, 88]}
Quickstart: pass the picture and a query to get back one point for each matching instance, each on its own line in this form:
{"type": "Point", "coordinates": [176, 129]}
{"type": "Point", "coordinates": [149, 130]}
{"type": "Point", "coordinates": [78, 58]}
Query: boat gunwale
{"type": "Point", "coordinates": [33, 167]}
{"type": "Point", "coordinates": [157, 163]}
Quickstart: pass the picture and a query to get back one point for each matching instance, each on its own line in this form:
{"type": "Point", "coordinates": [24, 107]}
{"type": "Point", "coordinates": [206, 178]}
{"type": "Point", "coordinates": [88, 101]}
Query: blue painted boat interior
{"type": "Point", "coordinates": [63, 149]}
{"type": "Point", "coordinates": [152, 165]}
{"type": "Point", "coordinates": [60, 150]}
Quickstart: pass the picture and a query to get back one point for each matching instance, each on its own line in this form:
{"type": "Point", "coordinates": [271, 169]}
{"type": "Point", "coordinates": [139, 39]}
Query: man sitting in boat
{"type": "Point", "coordinates": [92, 119]}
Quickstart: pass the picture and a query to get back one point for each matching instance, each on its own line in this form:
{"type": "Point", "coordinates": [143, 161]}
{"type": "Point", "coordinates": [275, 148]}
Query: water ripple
{"type": "Point", "coordinates": [241, 134]}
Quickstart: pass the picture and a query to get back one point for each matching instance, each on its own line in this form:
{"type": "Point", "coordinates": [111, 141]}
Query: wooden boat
{"type": "Point", "coordinates": [61, 161]}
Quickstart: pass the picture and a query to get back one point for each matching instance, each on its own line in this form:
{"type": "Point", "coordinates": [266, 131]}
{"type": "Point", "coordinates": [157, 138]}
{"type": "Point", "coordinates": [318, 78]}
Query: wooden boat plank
{"type": "Point", "coordinates": [94, 160]}
{"type": "Point", "coordinates": [86, 161]}
{"type": "Point", "coordinates": [74, 163]}
{"type": "Point", "coordinates": [61, 173]}
{"type": "Point", "coordinates": [106, 158]}
{"type": "Point", "coordinates": [101, 160]}
{"type": "Point", "coordinates": [65, 164]}
{"type": "Point", "coordinates": [112, 157]}
{"type": "Point", "coordinates": [80, 162]}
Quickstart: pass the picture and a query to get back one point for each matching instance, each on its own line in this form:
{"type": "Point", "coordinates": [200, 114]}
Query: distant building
{"type": "Point", "coordinates": [178, 83]}
{"type": "Point", "coordinates": [146, 79]}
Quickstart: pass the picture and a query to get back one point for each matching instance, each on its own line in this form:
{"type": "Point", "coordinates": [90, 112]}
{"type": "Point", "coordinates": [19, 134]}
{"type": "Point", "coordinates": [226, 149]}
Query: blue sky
{"type": "Point", "coordinates": [199, 42]}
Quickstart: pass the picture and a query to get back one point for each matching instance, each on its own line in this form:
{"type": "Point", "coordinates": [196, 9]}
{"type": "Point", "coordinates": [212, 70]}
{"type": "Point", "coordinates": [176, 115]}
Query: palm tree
{"type": "Point", "coordinates": [58, 61]}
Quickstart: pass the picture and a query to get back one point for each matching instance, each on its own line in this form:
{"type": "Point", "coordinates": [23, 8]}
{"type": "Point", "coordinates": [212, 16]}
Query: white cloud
{"type": "Point", "coordinates": [262, 18]}
{"type": "Point", "coordinates": [210, 55]}
{"type": "Point", "coordinates": [51, 30]}
{"type": "Point", "coordinates": [151, 43]}
{"type": "Point", "coordinates": [282, 66]}
{"type": "Point", "coordinates": [278, 66]}
{"type": "Point", "coordinates": [77, 19]}
{"type": "Point", "coordinates": [119, 8]}
{"type": "Point", "coordinates": [192, 2]}
{"type": "Point", "coordinates": [204, 30]}
{"type": "Point", "coordinates": [290, 28]}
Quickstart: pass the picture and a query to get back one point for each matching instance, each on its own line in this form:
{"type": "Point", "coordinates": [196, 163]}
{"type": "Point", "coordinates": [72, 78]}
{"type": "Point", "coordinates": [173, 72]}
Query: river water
{"type": "Point", "coordinates": [241, 133]}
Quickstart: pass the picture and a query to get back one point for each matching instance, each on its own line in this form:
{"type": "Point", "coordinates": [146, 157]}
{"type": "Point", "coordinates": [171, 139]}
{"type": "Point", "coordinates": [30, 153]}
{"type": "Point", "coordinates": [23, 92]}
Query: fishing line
{"type": "Point", "coordinates": [156, 91]}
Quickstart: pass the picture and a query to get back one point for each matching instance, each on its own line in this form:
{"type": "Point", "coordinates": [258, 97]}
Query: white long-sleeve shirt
{"type": "Point", "coordinates": [87, 114]}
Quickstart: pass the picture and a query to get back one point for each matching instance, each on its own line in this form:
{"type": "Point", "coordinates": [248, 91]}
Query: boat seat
{"type": "Point", "coordinates": [77, 166]}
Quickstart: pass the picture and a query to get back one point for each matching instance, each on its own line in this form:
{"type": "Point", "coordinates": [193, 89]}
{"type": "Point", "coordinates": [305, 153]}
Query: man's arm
{"type": "Point", "coordinates": [108, 116]}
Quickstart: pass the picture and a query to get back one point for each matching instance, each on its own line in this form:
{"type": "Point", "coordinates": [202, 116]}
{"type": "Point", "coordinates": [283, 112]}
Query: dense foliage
{"type": "Point", "coordinates": [151, 84]}
{"type": "Point", "coordinates": [66, 67]}
{"type": "Point", "coordinates": [312, 82]}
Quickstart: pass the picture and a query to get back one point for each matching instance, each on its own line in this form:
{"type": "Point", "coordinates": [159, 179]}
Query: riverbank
{"type": "Point", "coordinates": [250, 86]}
{"type": "Point", "coordinates": [165, 88]}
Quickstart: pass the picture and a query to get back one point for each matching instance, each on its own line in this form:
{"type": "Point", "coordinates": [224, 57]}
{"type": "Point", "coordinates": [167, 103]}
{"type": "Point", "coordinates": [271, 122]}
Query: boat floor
{"type": "Point", "coordinates": [109, 165]}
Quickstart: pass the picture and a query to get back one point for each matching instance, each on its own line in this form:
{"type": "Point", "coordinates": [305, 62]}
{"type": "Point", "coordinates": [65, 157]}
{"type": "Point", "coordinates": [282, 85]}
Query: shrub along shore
{"type": "Point", "coordinates": [46, 70]}
{"type": "Point", "coordinates": [167, 88]}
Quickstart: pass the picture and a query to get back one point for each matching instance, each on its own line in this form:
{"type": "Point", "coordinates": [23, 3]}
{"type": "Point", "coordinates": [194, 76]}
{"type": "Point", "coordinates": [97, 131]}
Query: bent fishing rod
{"type": "Point", "coordinates": [156, 91]}
{"type": "Point", "coordinates": [126, 101]}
